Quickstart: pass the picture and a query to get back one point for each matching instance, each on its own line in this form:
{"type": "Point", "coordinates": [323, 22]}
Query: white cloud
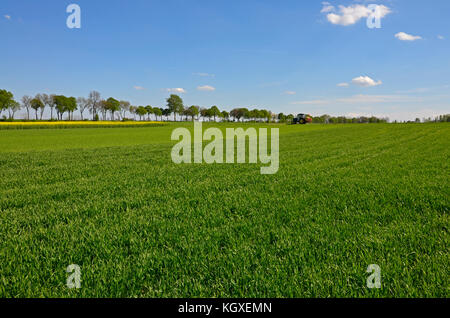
{"type": "Point", "coordinates": [290, 93]}
{"type": "Point", "coordinates": [365, 81]}
{"type": "Point", "coordinates": [343, 85]}
{"type": "Point", "coordinates": [402, 36]}
{"type": "Point", "coordinates": [139, 88]}
{"type": "Point", "coordinates": [206, 88]}
{"type": "Point", "coordinates": [327, 7]}
{"type": "Point", "coordinates": [7, 17]}
{"type": "Point", "coordinates": [440, 37]}
{"type": "Point", "coordinates": [353, 13]}
{"type": "Point", "coordinates": [176, 90]}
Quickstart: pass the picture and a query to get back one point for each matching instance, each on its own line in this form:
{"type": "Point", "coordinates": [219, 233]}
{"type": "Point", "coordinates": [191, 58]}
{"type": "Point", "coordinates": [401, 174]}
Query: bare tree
{"type": "Point", "coordinates": [26, 102]}
{"type": "Point", "coordinates": [83, 104]}
{"type": "Point", "coordinates": [49, 100]}
{"type": "Point", "coordinates": [94, 103]}
{"type": "Point", "coordinates": [44, 99]}
{"type": "Point", "coordinates": [124, 108]}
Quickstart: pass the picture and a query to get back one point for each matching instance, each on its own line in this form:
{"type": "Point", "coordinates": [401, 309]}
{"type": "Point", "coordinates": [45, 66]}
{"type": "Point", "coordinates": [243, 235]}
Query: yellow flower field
{"type": "Point", "coordinates": [74, 124]}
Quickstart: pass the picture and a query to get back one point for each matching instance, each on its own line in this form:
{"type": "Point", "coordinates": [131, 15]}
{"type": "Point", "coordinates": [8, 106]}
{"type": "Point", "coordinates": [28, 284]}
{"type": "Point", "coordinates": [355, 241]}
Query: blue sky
{"type": "Point", "coordinates": [287, 56]}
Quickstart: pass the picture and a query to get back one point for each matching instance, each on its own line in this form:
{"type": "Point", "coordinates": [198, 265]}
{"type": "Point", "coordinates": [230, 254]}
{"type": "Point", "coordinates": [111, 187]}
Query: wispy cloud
{"type": "Point", "coordinates": [139, 88]}
{"type": "Point", "coordinates": [204, 74]}
{"type": "Point", "coordinates": [327, 7]}
{"type": "Point", "coordinates": [312, 102]}
{"type": "Point", "coordinates": [343, 85]}
{"type": "Point", "coordinates": [440, 37]}
{"type": "Point", "coordinates": [290, 93]}
{"type": "Point", "coordinates": [402, 36]}
{"type": "Point", "coordinates": [7, 17]}
{"type": "Point", "coordinates": [206, 88]}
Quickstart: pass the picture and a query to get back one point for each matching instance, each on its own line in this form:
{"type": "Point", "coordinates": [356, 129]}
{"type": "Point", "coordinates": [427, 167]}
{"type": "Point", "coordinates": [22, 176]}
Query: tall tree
{"type": "Point", "coordinates": [158, 112]}
{"type": "Point", "coordinates": [239, 113]}
{"type": "Point", "coordinates": [204, 112]}
{"type": "Point", "coordinates": [6, 99]}
{"type": "Point", "coordinates": [149, 111]}
{"type": "Point", "coordinates": [60, 105]}
{"type": "Point", "coordinates": [225, 115]}
{"type": "Point", "coordinates": [214, 111]}
{"type": "Point", "coordinates": [26, 102]}
{"type": "Point", "coordinates": [71, 105]}
{"type": "Point", "coordinates": [124, 108]}
{"type": "Point", "coordinates": [94, 103]}
{"type": "Point", "coordinates": [175, 105]}
{"type": "Point", "coordinates": [48, 100]}
{"type": "Point", "coordinates": [43, 99]}
{"type": "Point", "coordinates": [166, 112]}
{"type": "Point", "coordinates": [13, 108]}
{"type": "Point", "coordinates": [103, 108]}
{"type": "Point", "coordinates": [133, 110]}
{"type": "Point", "coordinates": [141, 111]}
{"type": "Point", "coordinates": [193, 111]}
{"type": "Point", "coordinates": [83, 104]}
{"type": "Point", "coordinates": [113, 105]}
{"type": "Point", "coordinates": [36, 104]}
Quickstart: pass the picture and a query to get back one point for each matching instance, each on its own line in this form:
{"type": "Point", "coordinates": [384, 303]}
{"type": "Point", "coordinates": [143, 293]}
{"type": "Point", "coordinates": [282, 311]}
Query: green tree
{"type": "Point", "coordinates": [204, 112]}
{"type": "Point", "coordinates": [141, 111]}
{"type": "Point", "coordinates": [175, 105]}
{"type": "Point", "coordinates": [64, 104]}
{"type": "Point", "coordinates": [214, 111]}
{"type": "Point", "coordinates": [13, 108]}
{"type": "Point", "coordinates": [166, 112]}
{"type": "Point", "coordinates": [158, 112]}
{"type": "Point", "coordinates": [36, 104]}
{"type": "Point", "coordinates": [6, 99]}
{"type": "Point", "coordinates": [193, 111]}
{"type": "Point", "coordinates": [71, 106]}
{"type": "Point", "coordinates": [113, 105]}
{"type": "Point", "coordinates": [239, 113]}
{"type": "Point", "coordinates": [225, 115]}
{"type": "Point", "coordinates": [149, 111]}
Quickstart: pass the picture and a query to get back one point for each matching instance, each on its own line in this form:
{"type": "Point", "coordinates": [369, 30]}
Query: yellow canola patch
{"type": "Point", "coordinates": [74, 124]}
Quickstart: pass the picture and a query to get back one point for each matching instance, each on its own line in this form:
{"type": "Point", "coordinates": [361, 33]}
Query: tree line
{"type": "Point", "coordinates": [113, 109]}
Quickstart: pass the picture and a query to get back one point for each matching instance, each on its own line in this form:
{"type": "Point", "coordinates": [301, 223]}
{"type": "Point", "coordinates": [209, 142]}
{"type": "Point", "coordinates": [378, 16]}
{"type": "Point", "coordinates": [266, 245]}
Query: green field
{"type": "Point", "coordinates": [112, 201]}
